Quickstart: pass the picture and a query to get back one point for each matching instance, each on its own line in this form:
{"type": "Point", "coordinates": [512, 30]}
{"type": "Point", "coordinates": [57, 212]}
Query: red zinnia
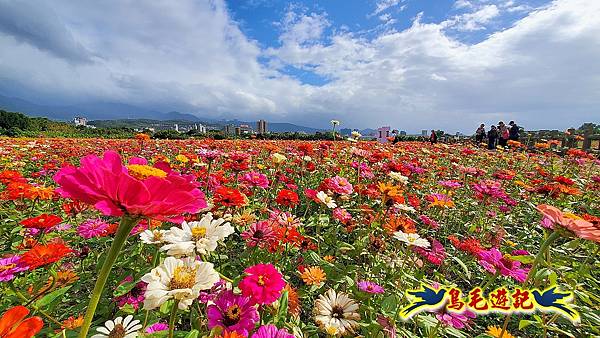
{"type": "Point", "coordinates": [14, 325]}
{"type": "Point", "coordinates": [287, 198]}
{"type": "Point", "coordinates": [229, 197]}
{"type": "Point", "coordinates": [41, 255]}
{"type": "Point", "coordinates": [43, 221]}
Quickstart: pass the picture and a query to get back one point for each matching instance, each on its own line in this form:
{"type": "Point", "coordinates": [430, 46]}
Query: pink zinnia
{"type": "Point", "coordinates": [435, 254]}
{"type": "Point", "coordinates": [493, 261]}
{"type": "Point", "coordinates": [92, 228]}
{"type": "Point", "coordinates": [137, 189]}
{"type": "Point", "coordinates": [157, 327]}
{"type": "Point", "coordinates": [342, 215]}
{"type": "Point", "coordinates": [370, 287]}
{"type": "Point", "coordinates": [258, 234]}
{"type": "Point", "coordinates": [256, 179]}
{"type": "Point", "coordinates": [271, 331]}
{"type": "Point", "coordinates": [263, 283]}
{"type": "Point", "coordinates": [233, 313]}
{"type": "Point", "coordinates": [456, 320]}
{"type": "Point", "coordinates": [339, 185]}
{"type": "Point", "coordinates": [10, 266]}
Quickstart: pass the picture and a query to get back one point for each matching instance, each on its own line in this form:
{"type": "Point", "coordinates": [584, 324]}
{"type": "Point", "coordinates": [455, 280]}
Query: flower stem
{"type": "Point", "coordinates": [538, 258]}
{"type": "Point", "coordinates": [172, 318]}
{"type": "Point", "coordinates": [127, 223]}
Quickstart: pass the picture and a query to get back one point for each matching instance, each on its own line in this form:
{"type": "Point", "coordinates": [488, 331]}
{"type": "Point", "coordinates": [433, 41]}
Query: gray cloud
{"type": "Point", "coordinates": [36, 24]}
{"type": "Point", "coordinates": [191, 56]}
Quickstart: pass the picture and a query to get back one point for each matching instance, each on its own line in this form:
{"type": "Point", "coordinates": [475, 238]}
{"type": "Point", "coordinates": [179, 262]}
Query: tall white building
{"type": "Point", "coordinates": [80, 121]}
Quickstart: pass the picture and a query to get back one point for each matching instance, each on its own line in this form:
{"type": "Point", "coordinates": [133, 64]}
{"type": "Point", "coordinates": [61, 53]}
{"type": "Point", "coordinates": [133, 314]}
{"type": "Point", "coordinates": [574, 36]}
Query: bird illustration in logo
{"type": "Point", "coordinates": [427, 298]}
{"type": "Point", "coordinates": [552, 300]}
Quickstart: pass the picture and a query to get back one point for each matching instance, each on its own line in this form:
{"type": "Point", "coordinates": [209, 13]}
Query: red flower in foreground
{"type": "Point", "coordinates": [41, 255]}
{"type": "Point", "coordinates": [43, 221]}
{"type": "Point", "coordinates": [287, 198]}
{"type": "Point", "coordinates": [229, 197]}
{"type": "Point", "coordinates": [14, 325]}
{"type": "Point", "coordinates": [137, 189]}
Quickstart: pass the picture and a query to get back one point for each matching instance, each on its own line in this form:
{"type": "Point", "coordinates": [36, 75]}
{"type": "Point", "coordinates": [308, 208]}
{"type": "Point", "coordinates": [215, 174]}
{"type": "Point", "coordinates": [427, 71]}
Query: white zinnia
{"type": "Point", "coordinates": [336, 313]}
{"type": "Point", "coordinates": [153, 236]}
{"type": "Point", "coordinates": [404, 207]}
{"type": "Point", "coordinates": [398, 177]}
{"type": "Point", "coordinates": [411, 239]}
{"type": "Point", "coordinates": [124, 328]}
{"type": "Point", "coordinates": [326, 199]}
{"type": "Point", "coordinates": [179, 279]}
{"type": "Point", "coordinates": [201, 237]}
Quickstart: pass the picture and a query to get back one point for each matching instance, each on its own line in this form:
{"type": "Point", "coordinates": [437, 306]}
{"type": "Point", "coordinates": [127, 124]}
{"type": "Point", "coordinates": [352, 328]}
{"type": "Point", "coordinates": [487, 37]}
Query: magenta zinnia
{"type": "Point", "coordinates": [232, 313]}
{"type": "Point", "coordinates": [137, 189]}
{"type": "Point", "coordinates": [263, 283]}
{"type": "Point", "coordinates": [271, 331]}
{"type": "Point", "coordinates": [370, 287]}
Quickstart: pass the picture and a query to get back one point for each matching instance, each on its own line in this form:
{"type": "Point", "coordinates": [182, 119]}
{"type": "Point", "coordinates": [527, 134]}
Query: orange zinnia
{"type": "Point", "coordinates": [580, 227]}
{"type": "Point", "coordinates": [313, 275]}
{"type": "Point", "coordinates": [13, 325]}
{"type": "Point", "coordinates": [293, 300]}
{"type": "Point", "coordinates": [45, 254]}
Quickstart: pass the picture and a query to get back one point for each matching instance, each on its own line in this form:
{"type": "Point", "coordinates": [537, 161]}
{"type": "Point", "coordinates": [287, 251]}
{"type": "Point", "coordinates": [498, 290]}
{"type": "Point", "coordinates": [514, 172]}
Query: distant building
{"type": "Point", "coordinates": [243, 129]}
{"type": "Point", "coordinates": [229, 129]}
{"type": "Point", "coordinates": [261, 127]}
{"type": "Point", "coordinates": [176, 127]}
{"type": "Point", "coordinates": [200, 128]}
{"type": "Point", "coordinates": [424, 132]}
{"type": "Point", "coordinates": [402, 133]}
{"type": "Point", "coordinates": [80, 121]}
{"type": "Point", "coordinates": [382, 134]}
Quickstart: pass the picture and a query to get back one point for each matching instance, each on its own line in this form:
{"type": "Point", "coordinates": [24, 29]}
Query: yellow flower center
{"type": "Point", "coordinates": [142, 172]}
{"type": "Point", "coordinates": [233, 312]}
{"type": "Point", "coordinates": [157, 235]}
{"type": "Point", "coordinates": [198, 232]}
{"type": "Point", "coordinates": [7, 267]}
{"type": "Point", "coordinates": [261, 280]}
{"type": "Point", "coordinates": [184, 277]}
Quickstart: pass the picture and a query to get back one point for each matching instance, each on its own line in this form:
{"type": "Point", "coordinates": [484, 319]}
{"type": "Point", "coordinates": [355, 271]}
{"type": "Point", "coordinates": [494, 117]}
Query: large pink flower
{"type": "Point", "coordinates": [580, 227]}
{"type": "Point", "coordinates": [263, 284]}
{"type": "Point", "coordinates": [137, 189]}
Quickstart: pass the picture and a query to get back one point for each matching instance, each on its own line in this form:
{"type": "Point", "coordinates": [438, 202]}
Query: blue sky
{"type": "Point", "coordinates": [410, 64]}
{"type": "Point", "coordinates": [262, 21]}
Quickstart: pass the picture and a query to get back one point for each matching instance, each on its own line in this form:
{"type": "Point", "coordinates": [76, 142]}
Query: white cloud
{"type": "Point", "coordinates": [475, 20]}
{"type": "Point", "coordinates": [383, 5]}
{"type": "Point", "coordinates": [190, 55]}
{"type": "Point", "coordinates": [463, 4]}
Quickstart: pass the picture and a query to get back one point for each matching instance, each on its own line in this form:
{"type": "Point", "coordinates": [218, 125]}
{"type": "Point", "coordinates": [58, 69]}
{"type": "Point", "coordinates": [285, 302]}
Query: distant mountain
{"type": "Point", "coordinates": [277, 127]}
{"type": "Point", "coordinates": [103, 111]}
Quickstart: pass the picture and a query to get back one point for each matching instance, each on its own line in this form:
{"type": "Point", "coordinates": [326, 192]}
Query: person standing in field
{"type": "Point", "coordinates": [433, 137]}
{"type": "Point", "coordinates": [492, 137]}
{"type": "Point", "coordinates": [513, 131]}
{"type": "Point", "coordinates": [503, 134]}
{"type": "Point", "coordinates": [480, 134]}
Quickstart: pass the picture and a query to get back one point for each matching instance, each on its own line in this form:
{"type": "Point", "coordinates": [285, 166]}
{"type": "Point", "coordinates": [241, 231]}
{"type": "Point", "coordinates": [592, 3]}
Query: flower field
{"type": "Point", "coordinates": [200, 238]}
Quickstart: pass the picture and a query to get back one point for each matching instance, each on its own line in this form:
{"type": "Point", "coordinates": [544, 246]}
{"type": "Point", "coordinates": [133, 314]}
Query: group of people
{"type": "Point", "coordinates": [497, 135]}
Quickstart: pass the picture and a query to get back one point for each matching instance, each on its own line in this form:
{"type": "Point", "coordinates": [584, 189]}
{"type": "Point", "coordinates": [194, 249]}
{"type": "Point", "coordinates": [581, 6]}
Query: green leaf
{"type": "Point", "coordinates": [49, 298]}
{"type": "Point", "coordinates": [124, 288]}
{"type": "Point", "coordinates": [389, 305]}
{"type": "Point", "coordinates": [283, 307]}
{"type": "Point", "coordinates": [467, 272]}
{"type": "Point", "coordinates": [193, 334]}
{"type": "Point", "coordinates": [527, 259]}
{"type": "Point", "coordinates": [525, 323]}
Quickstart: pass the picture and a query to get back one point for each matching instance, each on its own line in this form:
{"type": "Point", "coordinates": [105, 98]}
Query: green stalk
{"type": "Point", "coordinates": [172, 318]}
{"type": "Point", "coordinates": [127, 223]}
{"type": "Point", "coordinates": [538, 258]}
